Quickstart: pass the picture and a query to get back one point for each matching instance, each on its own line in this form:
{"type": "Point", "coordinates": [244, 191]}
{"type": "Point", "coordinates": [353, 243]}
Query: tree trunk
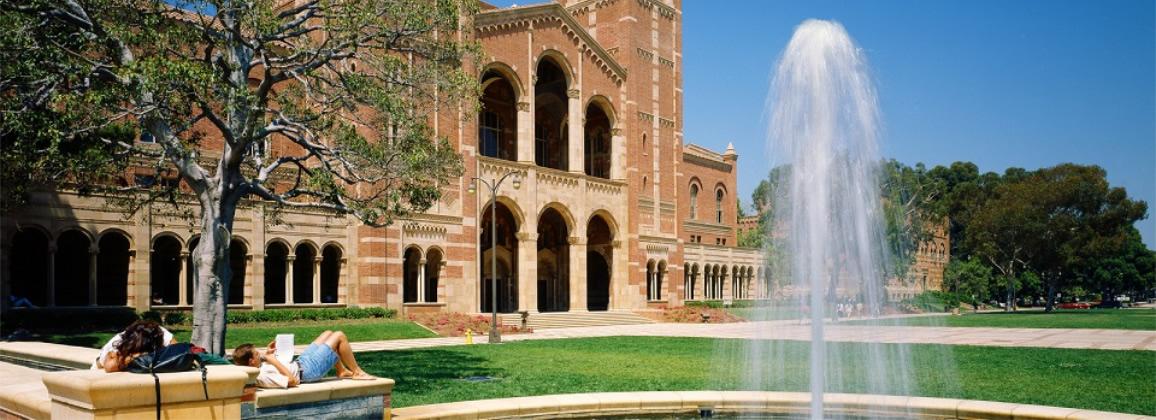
{"type": "Point", "coordinates": [212, 272]}
{"type": "Point", "coordinates": [1010, 289]}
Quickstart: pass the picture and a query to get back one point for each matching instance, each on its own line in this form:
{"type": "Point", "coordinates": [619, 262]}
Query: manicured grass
{"type": "Point", "coordinates": [261, 334]}
{"type": "Point", "coordinates": [1124, 319]}
{"type": "Point", "coordinates": [1091, 379]}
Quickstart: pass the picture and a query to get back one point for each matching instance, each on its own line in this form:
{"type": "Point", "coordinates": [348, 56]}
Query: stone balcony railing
{"type": "Point", "coordinates": [568, 184]}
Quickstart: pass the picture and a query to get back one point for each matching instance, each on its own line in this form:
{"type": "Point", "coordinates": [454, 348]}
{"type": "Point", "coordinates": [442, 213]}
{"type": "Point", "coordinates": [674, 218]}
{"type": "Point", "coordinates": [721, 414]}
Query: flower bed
{"type": "Point", "coordinates": [455, 324]}
{"type": "Point", "coordinates": [696, 315]}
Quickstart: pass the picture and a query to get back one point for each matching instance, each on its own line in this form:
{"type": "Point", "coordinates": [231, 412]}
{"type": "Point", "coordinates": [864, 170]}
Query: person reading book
{"type": "Point", "coordinates": [330, 349]}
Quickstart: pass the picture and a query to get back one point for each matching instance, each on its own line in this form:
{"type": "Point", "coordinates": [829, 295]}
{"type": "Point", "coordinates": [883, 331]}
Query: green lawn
{"type": "Point", "coordinates": [261, 334]}
{"type": "Point", "coordinates": [1124, 319]}
{"type": "Point", "coordinates": [1092, 379]}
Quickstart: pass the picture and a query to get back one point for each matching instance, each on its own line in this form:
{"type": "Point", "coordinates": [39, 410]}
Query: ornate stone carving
{"type": "Point", "coordinates": [523, 106]}
{"type": "Point", "coordinates": [616, 131]}
{"type": "Point", "coordinates": [573, 93]}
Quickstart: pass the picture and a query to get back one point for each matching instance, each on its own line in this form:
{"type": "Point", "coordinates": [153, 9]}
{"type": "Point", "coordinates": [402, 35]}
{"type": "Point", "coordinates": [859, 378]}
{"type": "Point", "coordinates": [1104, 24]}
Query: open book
{"type": "Point", "coordinates": [285, 348]}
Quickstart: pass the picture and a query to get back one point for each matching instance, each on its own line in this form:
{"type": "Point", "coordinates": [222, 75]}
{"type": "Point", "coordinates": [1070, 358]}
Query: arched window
{"type": "Point", "coordinates": [718, 204]}
{"type": "Point", "coordinates": [693, 201]}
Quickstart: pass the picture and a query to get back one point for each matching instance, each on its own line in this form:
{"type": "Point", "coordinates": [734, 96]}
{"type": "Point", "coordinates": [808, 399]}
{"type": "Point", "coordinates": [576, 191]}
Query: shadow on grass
{"type": "Point", "coordinates": [426, 370]}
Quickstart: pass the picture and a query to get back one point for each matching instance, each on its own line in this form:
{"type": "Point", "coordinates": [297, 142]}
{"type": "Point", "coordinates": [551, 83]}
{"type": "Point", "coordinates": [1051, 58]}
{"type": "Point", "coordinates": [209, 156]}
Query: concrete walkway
{"type": "Point", "coordinates": [790, 330]}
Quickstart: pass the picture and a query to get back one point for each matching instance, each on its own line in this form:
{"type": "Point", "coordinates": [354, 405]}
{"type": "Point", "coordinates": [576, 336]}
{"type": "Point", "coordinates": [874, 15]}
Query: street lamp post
{"type": "Point", "coordinates": [495, 336]}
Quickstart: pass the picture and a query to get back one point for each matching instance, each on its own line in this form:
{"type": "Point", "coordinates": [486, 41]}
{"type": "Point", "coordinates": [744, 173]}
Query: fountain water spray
{"type": "Point", "coordinates": [828, 223]}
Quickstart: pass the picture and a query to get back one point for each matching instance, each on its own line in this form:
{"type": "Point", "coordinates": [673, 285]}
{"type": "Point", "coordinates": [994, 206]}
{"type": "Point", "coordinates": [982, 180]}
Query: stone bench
{"type": "Point", "coordinates": [328, 398]}
{"type": "Point", "coordinates": [84, 393]}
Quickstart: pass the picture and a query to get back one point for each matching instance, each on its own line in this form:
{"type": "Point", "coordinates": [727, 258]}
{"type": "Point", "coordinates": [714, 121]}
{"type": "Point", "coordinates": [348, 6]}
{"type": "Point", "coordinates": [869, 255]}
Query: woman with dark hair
{"type": "Point", "coordinates": [139, 338]}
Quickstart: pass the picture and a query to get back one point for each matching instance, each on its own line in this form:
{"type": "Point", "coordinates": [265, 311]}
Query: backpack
{"type": "Point", "coordinates": [180, 357]}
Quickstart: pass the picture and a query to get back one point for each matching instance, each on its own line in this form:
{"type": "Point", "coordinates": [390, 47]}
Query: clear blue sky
{"type": "Point", "coordinates": [1025, 83]}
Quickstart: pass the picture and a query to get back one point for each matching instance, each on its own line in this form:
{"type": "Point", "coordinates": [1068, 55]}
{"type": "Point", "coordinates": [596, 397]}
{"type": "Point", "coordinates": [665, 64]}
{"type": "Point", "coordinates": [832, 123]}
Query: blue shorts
{"type": "Point", "coordinates": [315, 362]}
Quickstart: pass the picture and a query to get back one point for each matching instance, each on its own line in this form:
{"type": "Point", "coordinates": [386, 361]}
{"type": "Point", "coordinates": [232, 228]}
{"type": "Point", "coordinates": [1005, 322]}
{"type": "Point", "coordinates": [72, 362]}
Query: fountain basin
{"type": "Point", "coordinates": [689, 404]}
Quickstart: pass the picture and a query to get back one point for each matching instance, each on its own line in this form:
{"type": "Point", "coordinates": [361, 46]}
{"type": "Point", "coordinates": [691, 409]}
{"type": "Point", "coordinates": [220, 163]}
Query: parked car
{"type": "Point", "coordinates": [1075, 305]}
{"type": "Point", "coordinates": [1110, 304]}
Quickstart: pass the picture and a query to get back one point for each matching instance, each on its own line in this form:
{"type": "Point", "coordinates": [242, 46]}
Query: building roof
{"type": "Point", "coordinates": [496, 19]}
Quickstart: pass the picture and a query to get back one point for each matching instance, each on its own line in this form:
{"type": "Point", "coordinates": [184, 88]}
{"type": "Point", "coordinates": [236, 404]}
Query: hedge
{"type": "Point", "coordinates": [321, 314]}
{"type": "Point", "coordinates": [68, 319]}
{"type": "Point", "coordinates": [114, 319]}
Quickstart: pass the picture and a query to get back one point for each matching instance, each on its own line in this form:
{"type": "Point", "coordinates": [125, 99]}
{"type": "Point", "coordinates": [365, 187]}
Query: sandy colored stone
{"type": "Point", "coordinates": [990, 410]}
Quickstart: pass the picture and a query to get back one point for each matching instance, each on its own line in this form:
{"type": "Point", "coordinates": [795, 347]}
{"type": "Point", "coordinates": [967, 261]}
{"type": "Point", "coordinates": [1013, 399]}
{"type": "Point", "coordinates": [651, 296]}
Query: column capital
{"type": "Point", "coordinates": [576, 240]}
{"type": "Point", "coordinates": [523, 106]}
{"type": "Point", "coordinates": [527, 236]}
{"type": "Point", "coordinates": [573, 93]}
{"type": "Point", "coordinates": [290, 258]}
{"type": "Point", "coordinates": [615, 131]}
{"type": "Point", "coordinates": [422, 261]}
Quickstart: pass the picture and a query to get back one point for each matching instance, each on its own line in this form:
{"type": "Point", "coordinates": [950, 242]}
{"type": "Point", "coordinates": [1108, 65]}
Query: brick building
{"type": "Point", "coordinates": [582, 101]}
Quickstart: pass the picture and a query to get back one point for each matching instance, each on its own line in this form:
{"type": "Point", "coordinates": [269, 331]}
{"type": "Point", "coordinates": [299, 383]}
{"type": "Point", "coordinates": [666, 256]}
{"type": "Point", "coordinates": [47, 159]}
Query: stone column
{"type": "Point", "coordinates": [289, 259]}
{"type": "Point", "coordinates": [528, 271]}
{"type": "Point", "coordinates": [617, 154]}
{"type": "Point", "coordinates": [183, 279]}
{"type": "Point", "coordinates": [525, 142]}
{"type": "Point", "coordinates": [577, 273]}
{"type": "Point", "coordinates": [50, 297]}
{"type": "Point", "coordinates": [93, 254]}
{"type": "Point", "coordinates": [421, 280]}
{"type": "Point", "coordinates": [316, 280]}
{"type": "Point", "coordinates": [131, 280]}
{"type": "Point", "coordinates": [257, 250]}
{"type": "Point", "coordinates": [342, 282]}
{"type": "Point", "coordinates": [577, 147]}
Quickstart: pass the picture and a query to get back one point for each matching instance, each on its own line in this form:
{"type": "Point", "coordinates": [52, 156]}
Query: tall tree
{"type": "Point", "coordinates": [1082, 216]}
{"type": "Point", "coordinates": [1001, 228]}
{"type": "Point", "coordinates": [313, 103]}
{"type": "Point", "coordinates": [912, 208]}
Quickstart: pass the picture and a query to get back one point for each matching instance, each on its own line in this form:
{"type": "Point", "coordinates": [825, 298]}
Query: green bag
{"type": "Point", "coordinates": [212, 359]}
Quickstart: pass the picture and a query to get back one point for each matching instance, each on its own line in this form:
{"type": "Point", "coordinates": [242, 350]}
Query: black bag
{"type": "Point", "coordinates": [180, 357]}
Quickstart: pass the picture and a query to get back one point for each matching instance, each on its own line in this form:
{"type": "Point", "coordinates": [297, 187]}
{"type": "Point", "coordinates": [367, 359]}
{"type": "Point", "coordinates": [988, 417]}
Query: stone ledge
{"type": "Point", "coordinates": [97, 390]}
{"type": "Point", "coordinates": [57, 354]}
{"type": "Point", "coordinates": [327, 389]}
{"type": "Point", "coordinates": [666, 402]}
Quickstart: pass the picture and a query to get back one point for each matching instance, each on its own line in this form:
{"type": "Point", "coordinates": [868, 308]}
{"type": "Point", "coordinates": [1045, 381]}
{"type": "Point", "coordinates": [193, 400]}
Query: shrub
{"type": "Point", "coordinates": [718, 304]}
{"type": "Point", "coordinates": [319, 314]}
{"type": "Point", "coordinates": [931, 301]}
{"type": "Point", "coordinates": [68, 319]}
{"type": "Point", "coordinates": [175, 318]}
{"type": "Point", "coordinates": [153, 316]}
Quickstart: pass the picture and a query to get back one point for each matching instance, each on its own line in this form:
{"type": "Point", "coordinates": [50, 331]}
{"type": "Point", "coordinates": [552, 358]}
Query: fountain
{"type": "Point", "coordinates": [823, 138]}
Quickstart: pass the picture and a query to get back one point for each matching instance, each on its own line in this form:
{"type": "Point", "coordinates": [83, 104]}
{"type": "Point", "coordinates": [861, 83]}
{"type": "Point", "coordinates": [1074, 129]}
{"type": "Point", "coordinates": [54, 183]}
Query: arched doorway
{"type": "Point", "coordinates": [411, 267]}
{"type": "Point", "coordinates": [276, 268]}
{"type": "Point", "coordinates": [498, 118]}
{"type": "Point", "coordinates": [238, 255]}
{"type": "Point", "coordinates": [599, 263]}
{"type": "Point", "coordinates": [28, 275]}
{"type": "Point", "coordinates": [112, 270]}
{"type": "Point", "coordinates": [553, 262]}
{"type": "Point", "coordinates": [330, 273]}
{"type": "Point", "coordinates": [165, 271]}
{"type": "Point", "coordinates": [551, 110]}
{"type": "Point", "coordinates": [433, 265]}
{"type": "Point", "coordinates": [598, 142]}
{"type": "Point", "coordinates": [73, 263]}
{"type": "Point", "coordinates": [303, 267]}
{"type": "Point", "coordinates": [506, 254]}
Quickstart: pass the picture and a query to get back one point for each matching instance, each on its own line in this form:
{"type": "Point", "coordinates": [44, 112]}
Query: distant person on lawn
{"type": "Point", "coordinates": [330, 349]}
